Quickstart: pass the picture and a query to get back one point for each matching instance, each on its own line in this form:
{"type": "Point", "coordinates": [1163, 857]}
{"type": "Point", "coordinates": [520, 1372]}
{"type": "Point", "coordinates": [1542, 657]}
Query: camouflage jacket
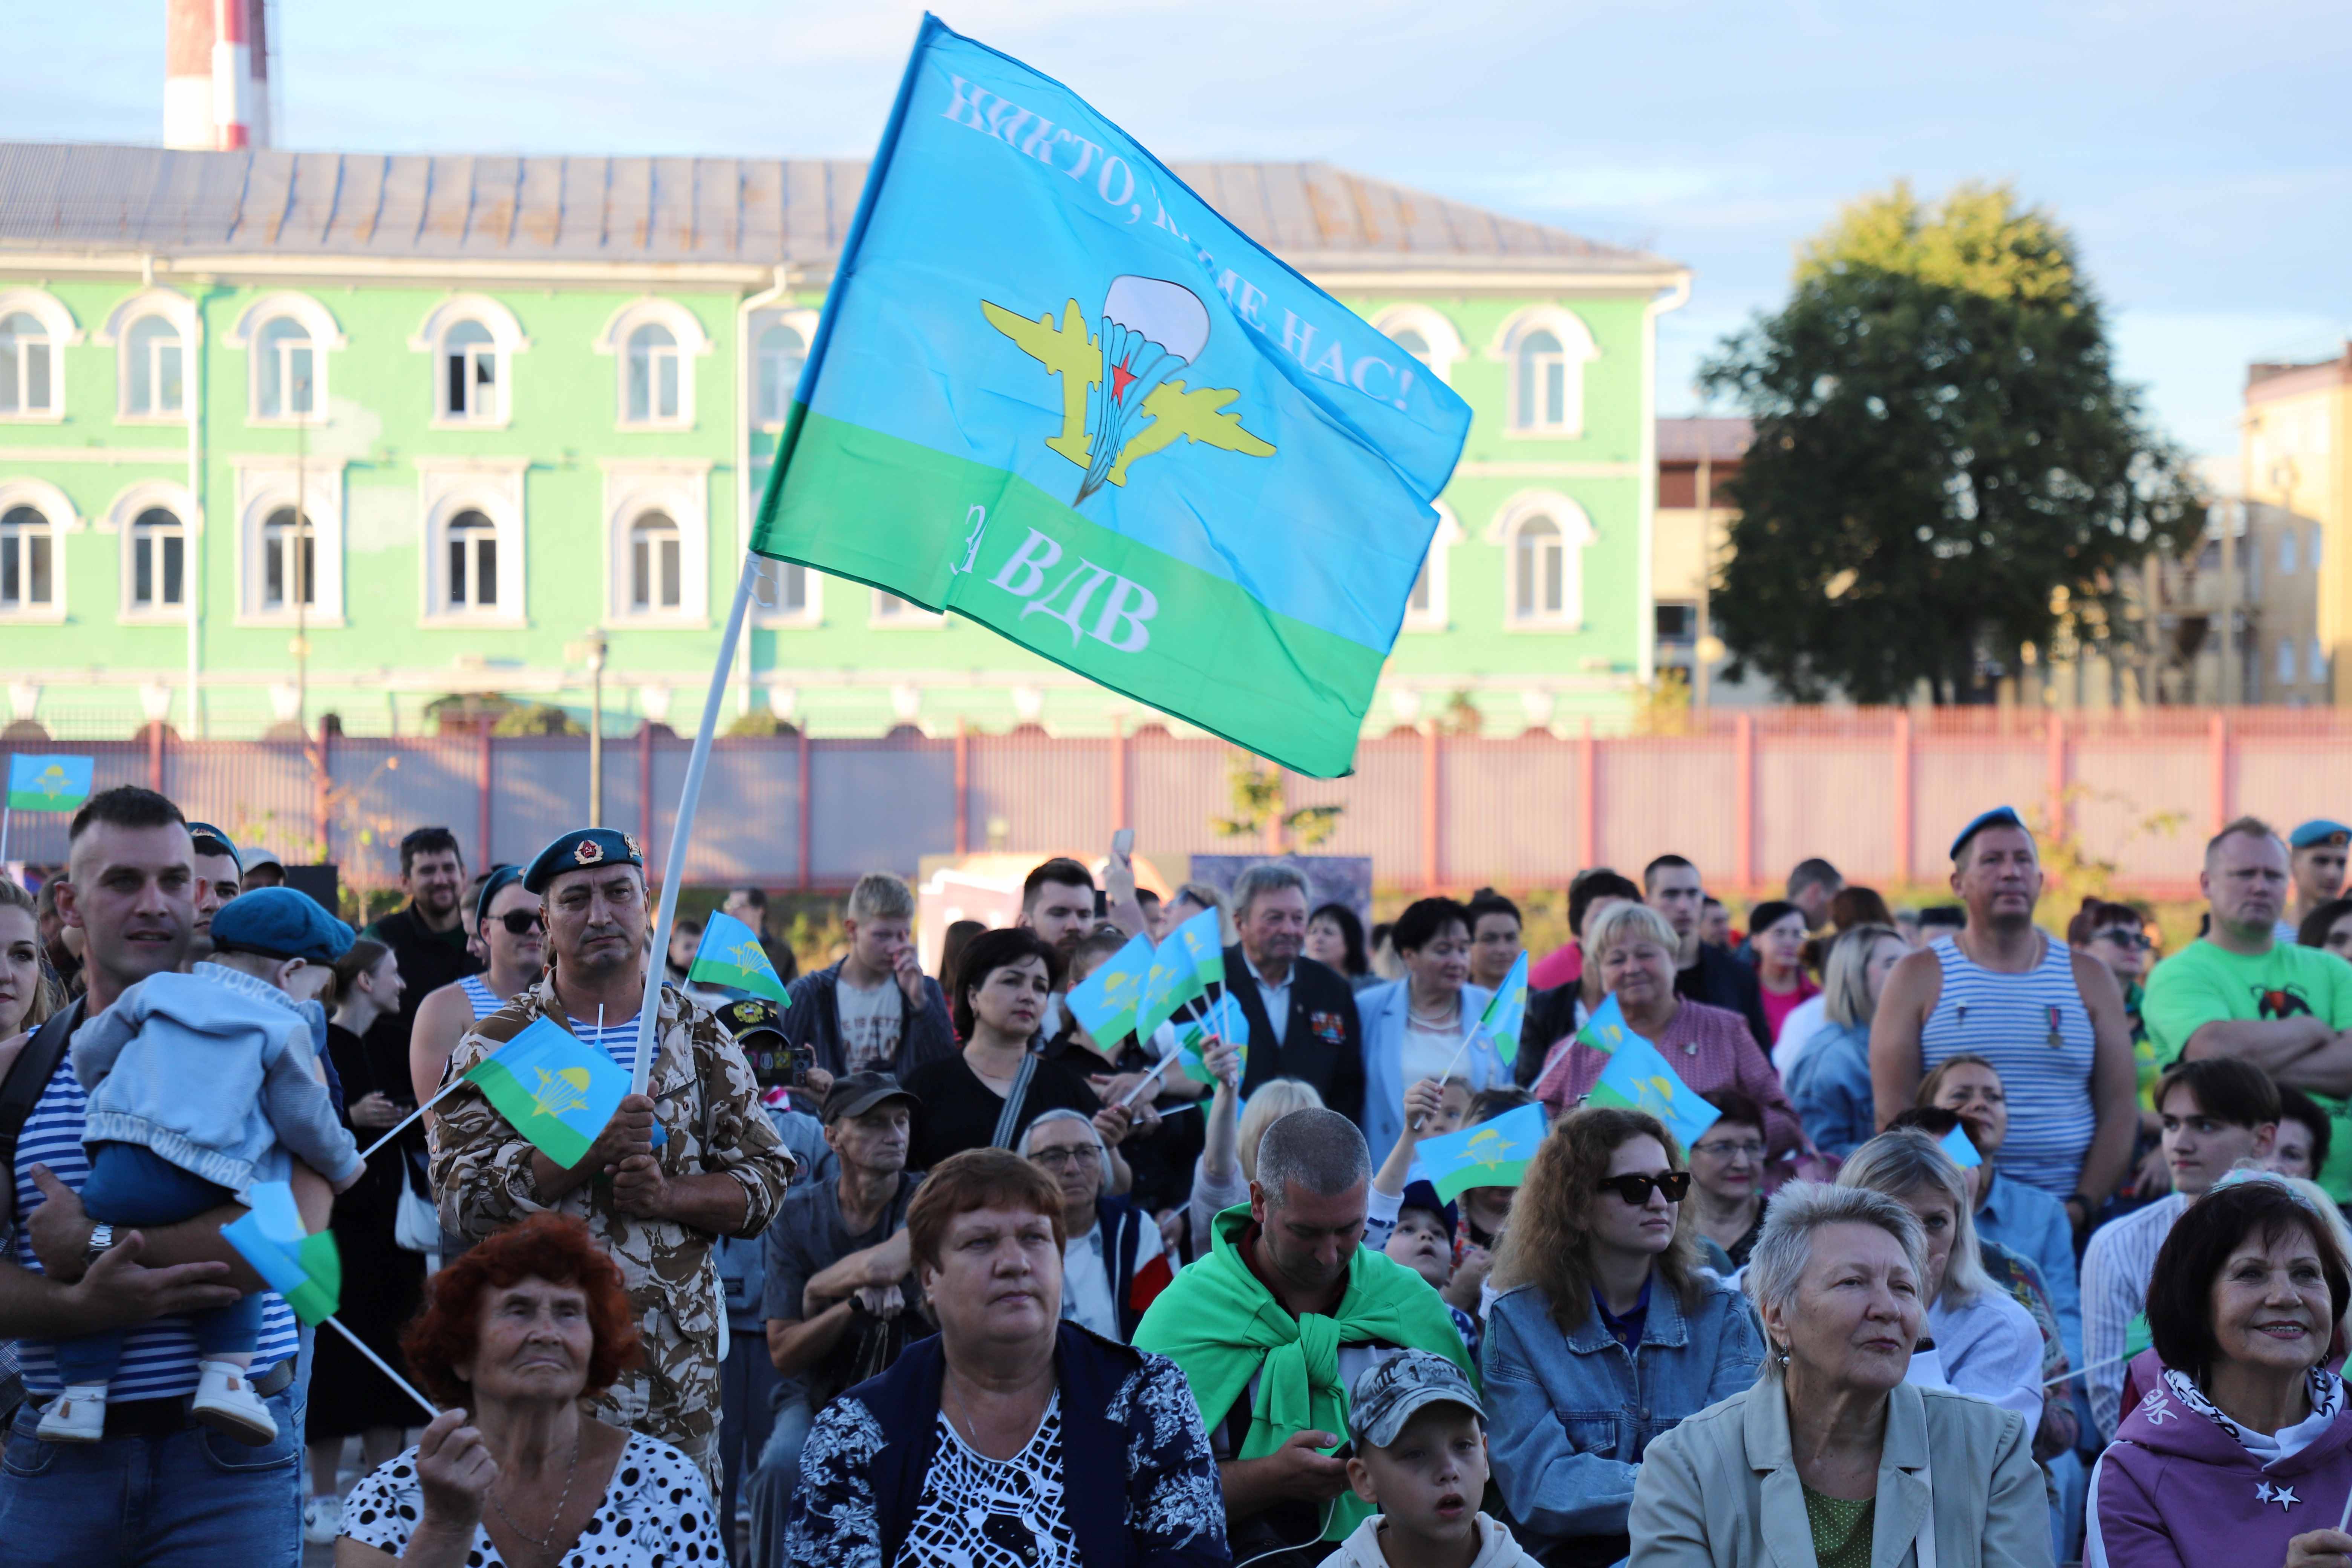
{"type": "Point", "coordinates": [707, 1104]}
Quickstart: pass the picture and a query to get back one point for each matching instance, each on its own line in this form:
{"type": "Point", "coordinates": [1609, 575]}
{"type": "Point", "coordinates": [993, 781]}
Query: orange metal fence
{"type": "Point", "coordinates": [1744, 794]}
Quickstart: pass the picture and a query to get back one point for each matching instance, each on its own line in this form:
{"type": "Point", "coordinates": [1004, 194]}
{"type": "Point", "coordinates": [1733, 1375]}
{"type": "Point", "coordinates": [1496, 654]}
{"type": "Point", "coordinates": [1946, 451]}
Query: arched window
{"type": "Point", "coordinates": [28, 376]}
{"type": "Point", "coordinates": [656, 564]}
{"type": "Point", "coordinates": [472, 543]}
{"type": "Point", "coordinates": [1542, 372]}
{"type": "Point", "coordinates": [1539, 562]}
{"type": "Point", "coordinates": [470, 373]}
{"type": "Point", "coordinates": [653, 375]}
{"type": "Point", "coordinates": [158, 558]}
{"type": "Point", "coordinates": [284, 377]}
{"type": "Point", "coordinates": [1546, 348]}
{"type": "Point", "coordinates": [151, 361]}
{"type": "Point", "coordinates": [782, 352]}
{"type": "Point", "coordinates": [1412, 341]}
{"type": "Point", "coordinates": [284, 542]}
{"type": "Point", "coordinates": [29, 579]}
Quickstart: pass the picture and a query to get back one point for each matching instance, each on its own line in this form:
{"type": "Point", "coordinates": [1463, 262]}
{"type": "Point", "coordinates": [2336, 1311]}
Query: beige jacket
{"type": "Point", "coordinates": [1721, 1490]}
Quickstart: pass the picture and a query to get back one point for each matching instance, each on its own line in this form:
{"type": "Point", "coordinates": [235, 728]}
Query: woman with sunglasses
{"type": "Point", "coordinates": [1606, 1332]}
{"type": "Point", "coordinates": [513, 934]}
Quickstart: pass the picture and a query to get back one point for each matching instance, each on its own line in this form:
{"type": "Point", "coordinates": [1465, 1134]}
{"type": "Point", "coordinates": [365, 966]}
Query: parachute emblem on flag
{"type": "Point", "coordinates": [564, 1090]}
{"type": "Point", "coordinates": [1151, 329]}
{"type": "Point", "coordinates": [1488, 1147]}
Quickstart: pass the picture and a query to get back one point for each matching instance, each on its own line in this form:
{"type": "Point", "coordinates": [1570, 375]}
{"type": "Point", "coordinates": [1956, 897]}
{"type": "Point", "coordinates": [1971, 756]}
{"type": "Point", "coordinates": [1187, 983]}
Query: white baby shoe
{"type": "Point", "coordinates": [77, 1416]}
{"type": "Point", "coordinates": [226, 1403]}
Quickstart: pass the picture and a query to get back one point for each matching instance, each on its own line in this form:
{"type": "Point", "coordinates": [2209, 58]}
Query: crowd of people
{"type": "Point", "coordinates": [2002, 1247]}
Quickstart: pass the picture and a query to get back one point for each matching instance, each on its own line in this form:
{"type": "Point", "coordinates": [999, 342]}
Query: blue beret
{"type": "Point", "coordinates": [2319, 830]}
{"type": "Point", "coordinates": [211, 840]}
{"type": "Point", "coordinates": [279, 922]}
{"type": "Point", "coordinates": [580, 849]}
{"type": "Point", "coordinates": [500, 879]}
{"type": "Point", "coordinates": [1999, 817]}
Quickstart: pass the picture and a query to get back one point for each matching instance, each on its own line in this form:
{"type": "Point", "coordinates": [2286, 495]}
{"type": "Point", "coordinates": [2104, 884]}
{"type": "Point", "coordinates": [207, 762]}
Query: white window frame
{"type": "Point", "coordinates": [62, 519]}
{"type": "Point", "coordinates": [180, 313]}
{"type": "Point", "coordinates": [447, 487]}
{"type": "Point", "coordinates": [1446, 350]}
{"type": "Point", "coordinates": [122, 521]}
{"type": "Point", "coordinates": [909, 617]}
{"type": "Point", "coordinates": [1437, 566]}
{"type": "Point", "coordinates": [767, 595]}
{"type": "Point", "coordinates": [681, 488]}
{"type": "Point", "coordinates": [1577, 351]}
{"type": "Point", "coordinates": [57, 326]}
{"type": "Point", "coordinates": [506, 340]}
{"type": "Point", "coordinates": [263, 485]}
{"type": "Point", "coordinates": [1576, 533]}
{"type": "Point", "coordinates": [326, 337]}
{"type": "Point", "coordinates": [802, 321]}
{"type": "Point", "coordinates": [685, 329]}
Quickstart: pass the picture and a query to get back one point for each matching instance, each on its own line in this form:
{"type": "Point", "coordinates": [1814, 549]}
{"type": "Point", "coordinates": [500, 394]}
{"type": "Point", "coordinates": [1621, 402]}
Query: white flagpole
{"type": "Point", "coordinates": [431, 1409]}
{"type": "Point", "coordinates": [682, 830]}
{"type": "Point", "coordinates": [393, 1131]}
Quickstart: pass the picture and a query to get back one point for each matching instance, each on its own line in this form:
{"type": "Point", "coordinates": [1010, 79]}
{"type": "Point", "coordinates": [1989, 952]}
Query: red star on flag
{"type": "Point", "coordinates": [1121, 378]}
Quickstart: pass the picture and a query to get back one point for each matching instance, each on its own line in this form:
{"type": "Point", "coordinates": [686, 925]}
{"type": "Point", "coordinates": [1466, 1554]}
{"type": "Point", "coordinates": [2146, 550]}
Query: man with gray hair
{"type": "Point", "coordinates": [1255, 1325]}
{"type": "Point", "coordinates": [1302, 1013]}
{"type": "Point", "coordinates": [1114, 1263]}
{"type": "Point", "coordinates": [875, 1011]}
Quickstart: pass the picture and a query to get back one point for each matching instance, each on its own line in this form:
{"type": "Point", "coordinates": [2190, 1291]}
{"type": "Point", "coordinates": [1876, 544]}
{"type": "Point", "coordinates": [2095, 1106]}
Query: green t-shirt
{"type": "Point", "coordinates": [2203, 985]}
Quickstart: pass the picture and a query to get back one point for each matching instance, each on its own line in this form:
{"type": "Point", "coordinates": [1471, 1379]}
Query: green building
{"type": "Point", "coordinates": [290, 434]}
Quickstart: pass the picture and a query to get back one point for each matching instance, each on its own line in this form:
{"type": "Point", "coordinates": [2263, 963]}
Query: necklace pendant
{"type": "Point", "coordinates": [1691, 1049]}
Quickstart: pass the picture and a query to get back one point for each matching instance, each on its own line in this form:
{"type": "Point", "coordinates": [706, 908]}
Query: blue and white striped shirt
{"type": "Point", "coordinates": [480, 997]}
{"type": "Point", "coordinates": [618, 1041]}
{"type": "Point", "coordinates": [2036, 1032]}
{"type": "Point", "coordinates": [158, 1356]}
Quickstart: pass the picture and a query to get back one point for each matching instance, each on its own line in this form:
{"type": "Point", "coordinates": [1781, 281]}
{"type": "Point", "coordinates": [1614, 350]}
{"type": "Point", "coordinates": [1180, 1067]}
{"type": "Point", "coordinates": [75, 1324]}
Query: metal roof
{"type": "Point", "coordinates": [1686, 439]}
{"type": "Point", "coordinates": [80, 197]}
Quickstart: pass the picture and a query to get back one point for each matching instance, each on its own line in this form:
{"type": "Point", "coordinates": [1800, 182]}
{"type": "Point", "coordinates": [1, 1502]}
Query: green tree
{"type": "Point", "coordinates": [1944, 466]}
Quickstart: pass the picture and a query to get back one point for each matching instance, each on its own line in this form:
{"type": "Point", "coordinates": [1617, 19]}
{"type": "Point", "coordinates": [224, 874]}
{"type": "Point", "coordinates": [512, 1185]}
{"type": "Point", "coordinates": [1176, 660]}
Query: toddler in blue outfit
{"type": "Point", "coordinates": [201, 1085]}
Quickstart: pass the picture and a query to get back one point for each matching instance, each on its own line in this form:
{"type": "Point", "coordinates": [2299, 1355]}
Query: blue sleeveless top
{"type": "Point", "coordinates": [2036, 1032]}
{"type": "Point", "coordinates": [485, 1001]}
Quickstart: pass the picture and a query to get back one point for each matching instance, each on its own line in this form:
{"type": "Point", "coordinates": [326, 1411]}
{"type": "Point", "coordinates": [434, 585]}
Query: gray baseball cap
{"type": "Point", "coordinates": [1385, 1396]}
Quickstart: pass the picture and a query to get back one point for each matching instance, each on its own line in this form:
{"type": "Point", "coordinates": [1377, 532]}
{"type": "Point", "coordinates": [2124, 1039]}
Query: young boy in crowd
{"type": "Point", "coordinates": [1424, 1242]}
{"type": "Point", "coordinates": [1419, 1456]}
{"type": "Point", "coordinates": [200, 1085]}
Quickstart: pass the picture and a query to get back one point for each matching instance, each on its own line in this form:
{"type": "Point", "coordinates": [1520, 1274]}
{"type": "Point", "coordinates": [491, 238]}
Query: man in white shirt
{"type": "Point", "coordinates": [2216, 1112]}
{"type": "Point", "coordinates": [1113, 1262]}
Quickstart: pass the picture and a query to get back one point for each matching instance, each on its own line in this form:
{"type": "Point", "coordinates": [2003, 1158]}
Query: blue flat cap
{"type": "Point", "coordinates": [580, 849]}
{"type": "Point", "coordinates": [211, 840]}
{"type": "Point", "coordinates": [1999, 817]}
{"type": "Point", "coordinates": [279, 922]}
{"type": "Point", "coordinates": [2319, 830]}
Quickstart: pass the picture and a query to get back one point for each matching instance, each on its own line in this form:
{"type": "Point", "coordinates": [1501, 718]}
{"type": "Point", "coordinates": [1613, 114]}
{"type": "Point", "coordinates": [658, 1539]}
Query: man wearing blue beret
{"type": "Point", "coordinates": [2316, 851]}
{"type": "Point", "coordinates": [720, 1169]}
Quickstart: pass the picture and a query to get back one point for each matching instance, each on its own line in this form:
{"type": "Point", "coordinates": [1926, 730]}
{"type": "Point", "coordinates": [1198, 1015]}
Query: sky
{"type": "Point", "coordinates": [2198, 153]}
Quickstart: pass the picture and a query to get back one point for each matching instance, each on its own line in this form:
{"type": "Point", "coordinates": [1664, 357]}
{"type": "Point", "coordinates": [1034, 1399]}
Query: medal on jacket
{"type": "Point", "coordinates": [2057, 1040]}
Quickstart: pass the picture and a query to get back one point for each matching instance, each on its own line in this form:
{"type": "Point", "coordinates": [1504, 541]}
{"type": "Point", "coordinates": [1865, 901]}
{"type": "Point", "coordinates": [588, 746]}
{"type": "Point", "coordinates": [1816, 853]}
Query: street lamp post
{"type": "Point", "coordinates": [596, 651]}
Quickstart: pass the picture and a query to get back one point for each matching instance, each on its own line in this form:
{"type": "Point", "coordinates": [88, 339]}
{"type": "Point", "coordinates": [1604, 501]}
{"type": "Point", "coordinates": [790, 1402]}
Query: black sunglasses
{"type": "Point", "coordinates": [521, 922]}
{"type": "Point", "coordinates": [2124, 937]}
{"type": "Point", "coordinates": [1634, 1186]}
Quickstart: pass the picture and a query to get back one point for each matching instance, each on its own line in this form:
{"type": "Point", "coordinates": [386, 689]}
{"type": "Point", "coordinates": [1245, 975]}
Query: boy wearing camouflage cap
{"type": "Point", "coordinates": [1420, 1457]}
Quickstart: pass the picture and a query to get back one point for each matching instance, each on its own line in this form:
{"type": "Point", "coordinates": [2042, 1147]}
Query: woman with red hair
{"type": "Point", "coordinates": [514, 1334]}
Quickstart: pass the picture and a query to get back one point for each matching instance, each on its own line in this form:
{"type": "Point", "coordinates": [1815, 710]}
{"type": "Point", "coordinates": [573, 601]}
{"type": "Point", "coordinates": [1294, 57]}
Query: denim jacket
{"type": "Point", "coordinates": [1569, 1417]}
{"type": "Point", "coordinates": [214, 1071]}
{"type": "Point", "coordinates": [1830, 1086]}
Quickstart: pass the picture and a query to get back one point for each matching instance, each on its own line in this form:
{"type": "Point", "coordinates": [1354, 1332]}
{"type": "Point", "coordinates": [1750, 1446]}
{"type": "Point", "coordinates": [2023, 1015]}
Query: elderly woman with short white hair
{"type": "Point", "coordinates": [1827, 1458]}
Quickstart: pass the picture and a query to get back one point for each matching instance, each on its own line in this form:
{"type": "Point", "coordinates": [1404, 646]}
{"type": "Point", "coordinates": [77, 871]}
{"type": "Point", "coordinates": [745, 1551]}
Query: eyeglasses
{"type": "Point", "coordinates": [521, 922]}
{"type": "Point", "coordinates": [2124, 937]}
{"type": "Point", "coordinates": [1073, 1155]}
{"type": "Point", "coordinates": [1746, 1149]}
{"type": "Point", "coordinates": [1634, 1186]}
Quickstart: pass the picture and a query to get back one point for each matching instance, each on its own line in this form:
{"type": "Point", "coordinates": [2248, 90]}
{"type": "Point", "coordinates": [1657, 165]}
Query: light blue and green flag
{"type": "Point", "coordinates": [1105, 1001]}
{"type": "Point", "coordinates": [556, 1091]}
{"type": "Point", "coordinates": [731, 958]}
{"type": "Point", "coordinates": [1490, 1154]}
{"type": "Point", "coordinates": [1055, 392]}
{"type": "Point", "coordinates": [304, 1269]}
{"type": "Point", "coordinates": [1204, 937]}
{"type": "Point", "coordinates": [48, 783]}
{"type": "Point", "coordinates": [1963, 1152]}
{"type": "Point", "coordinates": [1638, 1079]}
{"type": "Point", "coordinates": [1507, 1015]}
{"type": "Point", "coordinates": [1225, 1019]}
{"type": "Point", "coordinates": [1169, 984]}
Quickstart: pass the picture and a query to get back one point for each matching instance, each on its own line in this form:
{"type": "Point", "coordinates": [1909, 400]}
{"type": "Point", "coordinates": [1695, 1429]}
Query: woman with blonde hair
{"type": "Point", "coordinates": [27, 994]}
{"type": "Point", "coordinates": [1228, 1160]}
{"type": "Point", "coordinates": [1192, 898]}
{"type": "Point", "coordinates": [1829, 1075]}
{"type": "Point", "coordinates": [1606, 1332]}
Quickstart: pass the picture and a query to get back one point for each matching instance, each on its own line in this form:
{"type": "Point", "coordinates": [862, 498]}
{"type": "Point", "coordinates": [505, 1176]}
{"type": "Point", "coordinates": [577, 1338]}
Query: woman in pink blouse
{"type": "Point", "coordinates": [1710, 1048]}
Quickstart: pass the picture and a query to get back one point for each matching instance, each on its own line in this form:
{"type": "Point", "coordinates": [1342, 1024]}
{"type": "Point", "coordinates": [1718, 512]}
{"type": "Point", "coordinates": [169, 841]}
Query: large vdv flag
{"type": "Point", "coordinates": [1055, 393]}
{"type": "Point", "coordinates": [556, 1090]}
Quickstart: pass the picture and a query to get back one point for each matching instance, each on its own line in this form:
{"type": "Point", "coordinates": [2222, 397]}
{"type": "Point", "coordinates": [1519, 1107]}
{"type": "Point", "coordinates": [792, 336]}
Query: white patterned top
{"type": "Point", "coordinates": [656, 1510]}
{"type": "Point", "coordinates": [979, 1513]}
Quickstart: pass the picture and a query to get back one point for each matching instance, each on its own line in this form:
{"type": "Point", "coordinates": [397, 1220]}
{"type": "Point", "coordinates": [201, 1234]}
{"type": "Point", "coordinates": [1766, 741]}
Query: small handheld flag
{"type": "Point", "coordinates": [48, 783]}
{"type": "Point", "coordinates": [731, 958]}
{"type": "Point", "coordinates": [1168, 984]}
{"type": "Point", "coordinates": [1490, 1154]}
{"type": "Point", "coordinates": [1638, 1079]}
{"type": "Point", "coordinates": [1607, 1028]}
{"type": "Point", "coordinates": [1507, 1015]}
{"type": "Point", "coordinates": [1203, 941]}
{"type": "Point", "coordinates": [1105, 1001]}
{"type": "Point", "coordinates": [1224, 1019]}
{"type": "Point", "coordinates": [306, 1269]}
{"type": "Point", "coordinates": [1963, 1152]}
{"type": "Point", "coordinates": [557, 1092]}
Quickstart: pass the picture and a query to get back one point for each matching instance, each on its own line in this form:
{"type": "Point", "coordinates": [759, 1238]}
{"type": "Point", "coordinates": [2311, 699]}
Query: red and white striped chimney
{"type": "Point", "coordinates": [215, 75]}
